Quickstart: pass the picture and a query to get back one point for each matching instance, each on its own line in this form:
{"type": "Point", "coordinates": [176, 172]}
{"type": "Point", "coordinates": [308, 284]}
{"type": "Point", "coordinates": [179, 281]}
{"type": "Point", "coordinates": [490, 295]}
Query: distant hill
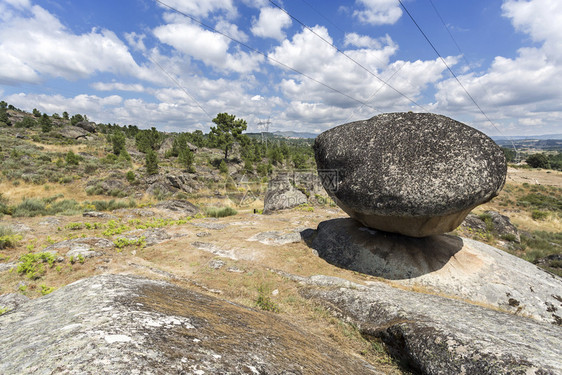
{"type": "Point", "coordinates": [285, 134]}
{"type": "Point", "coordinates": [527, 137]}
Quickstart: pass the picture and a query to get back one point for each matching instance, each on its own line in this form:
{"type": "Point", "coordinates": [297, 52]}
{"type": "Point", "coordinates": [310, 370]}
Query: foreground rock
{"type": "Point", "coordinates": [446, 264]}
{"type": "Point", "coordinates": [438, 335]}
{"type": "Point", "coordinates": [114, 324]}
{"type": "Point", "coordinates": [416, 174]}
{"type": "Point", "coordinates": [281, 195]}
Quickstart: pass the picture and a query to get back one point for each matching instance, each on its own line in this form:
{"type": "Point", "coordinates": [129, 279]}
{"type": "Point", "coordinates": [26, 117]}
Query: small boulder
{"type": "Point", "coordinates": [88, 126]}
{"type": "Point", "coordinates": [281, 194]}
{"type": "Point", "coordinates": [73, 132]}
{"type": "Point", "coordinates": [416, 174]}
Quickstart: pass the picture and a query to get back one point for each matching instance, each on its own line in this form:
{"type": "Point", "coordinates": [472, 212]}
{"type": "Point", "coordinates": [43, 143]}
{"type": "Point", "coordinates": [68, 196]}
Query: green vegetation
{"type": "Point", "coordinates": [220, 212]}
{"type": "Point", "coordinates": [8, 238]}
{"type": "Point", "coordinates": [122, 242]}
{"type": "Point", "coordinates": [264, 301]}
{"type": "Point", "coordinates": [151, 162]}
{"type": "Point", "coordinates": [32, 265]}
{"type": "Point", "coordinates": [228, 130]}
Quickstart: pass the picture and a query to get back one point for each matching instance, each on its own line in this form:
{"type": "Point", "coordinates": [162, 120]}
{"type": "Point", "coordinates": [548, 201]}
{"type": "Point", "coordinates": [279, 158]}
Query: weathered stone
{"type": "Point", "coordinates": [503, 226]}
{"type": "Point", "coordinates": [473, 223]}
{"type": "Point", "coordinates": [101, 215]}
{"type": "Point", "coordinates": [114, 324]}
{"type": "Point", "coordinates": [12, 301]}
{"type": "Point", "coordinates": [412, 173]}
{"type": "Point", "coordinates": [438, 335]}
{"type": "Point", "coordinates": [73, 132]}
{"type": "Point", "coordinates": [151, 236]}
{"type": "Point", "coordinates": [181, 206]}
{"type": "Point", "coordinates": [276, 238]}
{"type": "Point", "coordinates": [86, 247]}
{"type": "Point", "coordinates": [88, 126]}
{"type": "Point", "coordinates": [450, 265]}
{"type": "Point", "coordinates": [281, 194]}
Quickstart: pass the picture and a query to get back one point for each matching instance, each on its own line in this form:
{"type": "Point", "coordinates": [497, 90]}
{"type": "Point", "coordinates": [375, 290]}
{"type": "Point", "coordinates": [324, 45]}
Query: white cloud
{"type": "Point", "coordinates": [40, 46]}
{"type": "Point", "coordinates": [118, 86]}
{"type": "Point", "coordinates": [271, 23]}
{"type": "Point", "coordinates": [378, 12]}
{"type": "Point", "coordinates": [316, 58]}
{"type": "Point", "coordinates": [517, 92]}
{"type": "Point", "coordinates": [231, 30]}
{"type": "Point", "coordinates": [361, 41]}
{"type": "Point", "coordinates": [136, 41]}
{"type": "Point", "coordinates": [209, 47]}
{"type": "Point", "coordinates": [202, 8]}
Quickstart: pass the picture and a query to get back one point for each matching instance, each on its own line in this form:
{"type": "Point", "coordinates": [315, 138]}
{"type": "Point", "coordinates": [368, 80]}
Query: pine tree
{"type": "Point", "coordinates": [151, 162]}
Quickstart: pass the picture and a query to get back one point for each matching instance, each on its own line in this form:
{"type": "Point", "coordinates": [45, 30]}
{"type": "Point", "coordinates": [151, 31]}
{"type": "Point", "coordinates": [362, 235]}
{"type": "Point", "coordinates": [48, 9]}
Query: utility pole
{"type": "Point", "coordinates": [264, 125]}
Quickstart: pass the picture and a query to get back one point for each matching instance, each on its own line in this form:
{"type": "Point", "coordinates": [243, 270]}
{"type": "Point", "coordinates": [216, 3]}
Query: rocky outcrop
{"type": "Point", "coordinates": [416, 174]}
{"type": "Point", "coordinates": [88, 126]}
{"type": "Point", "coordinates": [86, 247]}
{"type": "Point", "coordinates": [182, 207]}
{"type": "Point", "coordinates": [281, 194]}
{"type": "Point", "coordinates": [437, 335]}
{"type": "Point", "coordinates": [73, 132]}
{"type": "Point", "coordinates": [115, 324]}
{"type": "Point", "coordinates": [491, 222]}
{"type": "Point", "coordinates": [450, 265]}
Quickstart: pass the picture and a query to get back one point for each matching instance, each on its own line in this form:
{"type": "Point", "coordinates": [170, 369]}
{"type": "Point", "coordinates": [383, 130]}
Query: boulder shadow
{"type": "Point", "coordinates": [348, 244]}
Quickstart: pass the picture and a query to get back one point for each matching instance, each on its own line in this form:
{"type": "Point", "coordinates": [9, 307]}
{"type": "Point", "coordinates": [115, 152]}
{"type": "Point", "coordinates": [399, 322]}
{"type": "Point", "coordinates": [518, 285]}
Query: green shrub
{"type": "Point", "coordinates": [264, 302]}
{"type": "Point", "coordinates": [29, 208]}
{"type": "Point", "coordinates": [71, 158]}
{"type": "Point", "coordinates": [223, 168]}
{"type": "Point", "coordinates": [32, 265]}
{"type": "Point", "coordinates": [131, 176]}
{"type": "Point", "coordinates": [8, 238]}
{"type": "Point", "coordinates": [539, 215]}
{"type": "Point", "coordinates": [220, 212]}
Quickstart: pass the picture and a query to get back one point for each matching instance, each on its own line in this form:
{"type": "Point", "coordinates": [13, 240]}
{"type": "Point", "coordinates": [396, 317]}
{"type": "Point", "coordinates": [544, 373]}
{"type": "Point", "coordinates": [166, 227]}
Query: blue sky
{"type": "Point", "coordinates": [140, 62]}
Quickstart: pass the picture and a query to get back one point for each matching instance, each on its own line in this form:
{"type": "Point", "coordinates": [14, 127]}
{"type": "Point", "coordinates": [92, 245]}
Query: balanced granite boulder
{"type": "Point", "coordinates": [417, 174]}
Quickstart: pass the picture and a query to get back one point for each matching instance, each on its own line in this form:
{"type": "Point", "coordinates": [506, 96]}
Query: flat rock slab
{"type": "Point", "coordinates": [86, 247]}
{"type": "Point", "coordinates": [276, 238]}
{"type": "Point", "coordinates": [114, 324]}
{"type": "Point", "coordinates": [447, 264]}
{"type": "Point", "coordinates": [416, 174]}
{"type": "Point", "coordinates": [438, 335]}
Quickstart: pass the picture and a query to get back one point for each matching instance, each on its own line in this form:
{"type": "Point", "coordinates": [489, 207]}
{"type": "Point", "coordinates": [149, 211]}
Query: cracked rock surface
{"type": "Point", "coordinates": [114, 324]}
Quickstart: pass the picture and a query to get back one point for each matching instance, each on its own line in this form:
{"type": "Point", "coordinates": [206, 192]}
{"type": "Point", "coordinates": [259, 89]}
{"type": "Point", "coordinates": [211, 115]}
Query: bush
{"type": "Point", "coordinates": [131, 176]}
{"type": "Point", "coordinates": [223, 168]}
{"type": "Point", "coordinates": [29, 208]}
{"type": "Point", "coordinates": [539, 215]}
{"type": "Point", "coordinates": [538, 161]}
{"type": "Point", "coordinates": [151, 162]}
{"type": "Point", "coordinates": [8, 238]}
{"type": "Point", "coordinates": [220, 212]}
{"type": "Point", "coordinates": [71, 158]}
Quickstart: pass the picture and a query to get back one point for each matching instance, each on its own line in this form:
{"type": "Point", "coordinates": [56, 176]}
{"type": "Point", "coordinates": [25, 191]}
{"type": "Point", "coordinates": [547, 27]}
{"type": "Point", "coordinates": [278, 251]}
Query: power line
{"type": "Point", "coordinates": [347, 56]}
{"type": "Point", "coordinates": [265, 55]}
{"type": "Point", "coordinates": [180, 86]}
{"type": "Point", "coordinates": [447, 65]}
{"type": "Point", "coordinates": [449, 68]}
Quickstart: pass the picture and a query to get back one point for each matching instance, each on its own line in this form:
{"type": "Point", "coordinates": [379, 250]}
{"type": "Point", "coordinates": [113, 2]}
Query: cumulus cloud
{"type": "Point", "coordinates": [202, 8]}
{"type": "Point", "coordinates": [118, 86]}
{"type": "Point", "coordinates": [271, 23]}
{"type": "Point", "coordinates": [378, 12]}
{"type": "Point", "coordinates": [524, 90]}
{"type": "Point", "coordinates": [28, 43]}
{"type": "Point", "coordinates": [209, 47]}
{"type": "Point", "coordinates": [136, 41]}
{"type": "Point", "coordinates": [312, 56]}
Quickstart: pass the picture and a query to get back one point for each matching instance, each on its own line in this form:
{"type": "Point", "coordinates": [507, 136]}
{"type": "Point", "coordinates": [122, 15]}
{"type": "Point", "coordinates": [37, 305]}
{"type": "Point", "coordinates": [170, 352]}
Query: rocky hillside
{"type": "Point", "coordinates": [106, 268]}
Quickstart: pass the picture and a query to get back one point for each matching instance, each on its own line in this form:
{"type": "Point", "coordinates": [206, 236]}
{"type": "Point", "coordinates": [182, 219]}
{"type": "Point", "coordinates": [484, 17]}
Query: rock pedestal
{"type": "Point", "coordinates": [417, 174]}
